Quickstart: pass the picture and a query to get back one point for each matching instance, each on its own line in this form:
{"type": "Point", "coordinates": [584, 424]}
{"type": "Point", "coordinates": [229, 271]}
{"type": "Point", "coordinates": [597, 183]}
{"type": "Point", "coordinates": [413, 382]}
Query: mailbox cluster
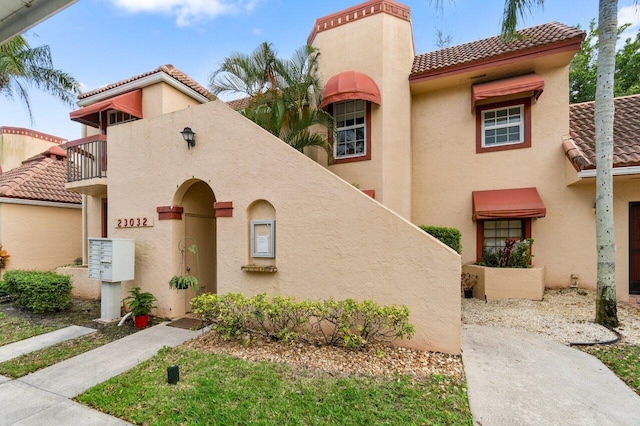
{"type": "Point", "coordinates": [111, 260]}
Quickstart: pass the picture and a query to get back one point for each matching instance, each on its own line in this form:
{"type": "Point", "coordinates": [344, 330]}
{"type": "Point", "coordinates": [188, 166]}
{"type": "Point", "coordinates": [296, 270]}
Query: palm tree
{"type": "Point", "coordinates": [22, 66]}
{"type": "Point", "coordinates": [283, 93]}
{"type": "Point", "coordinates": [606, 308]}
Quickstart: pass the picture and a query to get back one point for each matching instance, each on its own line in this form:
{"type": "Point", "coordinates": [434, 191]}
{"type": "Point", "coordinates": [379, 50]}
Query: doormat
{"type": "Point", "coordinates": [187, 324]}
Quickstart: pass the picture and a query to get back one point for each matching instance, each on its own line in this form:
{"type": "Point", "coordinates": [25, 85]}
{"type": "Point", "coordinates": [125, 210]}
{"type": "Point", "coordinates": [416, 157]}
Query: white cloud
{"type": "Point", "coordinates": [187, 12]}
{"type": "Point", "coordinates": [628, 15]}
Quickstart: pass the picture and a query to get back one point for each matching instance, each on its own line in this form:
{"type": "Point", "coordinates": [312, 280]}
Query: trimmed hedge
{"type": "Point", "coordinates": [346, 323]}
{"type": "Point", "coordinates": [449, 236]}
{"type": "Point", "coordinates": [39, 292]}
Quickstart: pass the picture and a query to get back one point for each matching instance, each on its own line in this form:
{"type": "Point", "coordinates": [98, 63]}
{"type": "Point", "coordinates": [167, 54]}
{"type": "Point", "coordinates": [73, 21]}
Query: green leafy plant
{"type": "Point", "coordinates": [140, 303]}
{"type": "Point", "coordinates": [183, 282]}
{"type": "Point", "coordinates": [39, 292]}
{"type": "Point", "coordinates": [514, 254]}
{"type": "Point", "coordinates": [346, 323]}
{"type": "Point", "coordinates": [449, 236]}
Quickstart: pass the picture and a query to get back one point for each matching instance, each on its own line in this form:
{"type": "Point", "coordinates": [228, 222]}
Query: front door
{"type": "Point", "coordinates": [201, 231]}
{"type": "Point", "coordinates": [634, 248]}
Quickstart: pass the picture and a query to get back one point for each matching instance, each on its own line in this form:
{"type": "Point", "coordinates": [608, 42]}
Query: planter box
{"type": "Point", "coordinates": [507, 283]}
{"type": "Point", "coordinates": [83, 287]}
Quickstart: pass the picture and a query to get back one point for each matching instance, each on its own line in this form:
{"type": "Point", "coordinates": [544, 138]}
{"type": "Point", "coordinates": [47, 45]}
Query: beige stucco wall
{"type": "Point", "coordinates": [161, 98]}
{"type": "Point", "coordinates": [15, 148]}
{"type": "Point", "coordinates": [626, 190]}
{"type": "Point", "coordinates": [446, 169]}
{"type": "Point", "coordinates": [380, 46]}
{"type": "Point", "coordinates": [507, 283]}
{"type": "Point", "coordinates": [39, 237]}
{"type": "Point", "coordinates": [331, 240]}
{"type": "Point", "coordinates": [82, 286]}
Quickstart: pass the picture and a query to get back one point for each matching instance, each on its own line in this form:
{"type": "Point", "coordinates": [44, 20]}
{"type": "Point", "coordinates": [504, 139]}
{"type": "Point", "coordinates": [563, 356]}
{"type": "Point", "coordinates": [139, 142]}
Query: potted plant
{"type": "Point", "coordinates": [140, 304]}
{"type": "Point", "coordinates": [183, 282]}
{"type": "Point", "coordinates": [468, 281]}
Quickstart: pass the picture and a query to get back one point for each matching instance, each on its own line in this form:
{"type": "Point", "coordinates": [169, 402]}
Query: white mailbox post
{"type": "Point", "coordinates": [111, 260]}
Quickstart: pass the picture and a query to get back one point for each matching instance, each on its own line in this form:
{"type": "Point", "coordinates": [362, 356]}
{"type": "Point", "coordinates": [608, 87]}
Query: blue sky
{"type": "Point", "coordinates": [103, 41]}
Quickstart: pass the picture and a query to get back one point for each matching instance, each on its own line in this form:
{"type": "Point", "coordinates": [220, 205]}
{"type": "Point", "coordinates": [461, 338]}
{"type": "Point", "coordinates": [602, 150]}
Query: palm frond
{"type": "Point", "coordinates": [513, 11]}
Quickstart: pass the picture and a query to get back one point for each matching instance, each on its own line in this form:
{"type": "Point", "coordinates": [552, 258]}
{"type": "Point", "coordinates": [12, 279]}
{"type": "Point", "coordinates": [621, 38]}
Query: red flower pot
{"type": "Point", "coordinates": [141, 321]}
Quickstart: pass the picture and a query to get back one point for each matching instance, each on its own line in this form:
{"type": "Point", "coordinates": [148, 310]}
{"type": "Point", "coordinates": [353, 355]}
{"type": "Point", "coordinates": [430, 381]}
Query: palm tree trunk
{"type": "Point", "coordinates": [606, 310]}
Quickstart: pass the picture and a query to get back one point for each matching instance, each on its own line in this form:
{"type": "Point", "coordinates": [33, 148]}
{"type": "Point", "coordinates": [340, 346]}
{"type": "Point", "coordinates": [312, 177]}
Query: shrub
{"type": "Point", "coordinates": [3, 289]}
{"type": "Point", "coordinates": [449, 236]}
{"type": "Point", "coordinates": [39, 292]}
{"type": "Point", "coordinates": [515, 254]}
{"type": "Point", "coordinates": [346, 323]}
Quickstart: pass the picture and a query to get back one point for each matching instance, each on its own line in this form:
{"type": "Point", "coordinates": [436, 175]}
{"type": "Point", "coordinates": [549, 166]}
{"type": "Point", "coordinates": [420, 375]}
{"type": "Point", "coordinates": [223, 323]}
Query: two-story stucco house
{"type": "Point", "coordinates": [479, 137]}
{"type": "Point", "coordinates": [474, 137]}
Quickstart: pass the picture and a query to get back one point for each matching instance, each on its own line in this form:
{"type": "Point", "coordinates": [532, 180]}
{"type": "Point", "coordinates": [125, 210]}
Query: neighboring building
{"type": "Point", "coordinates": [18, 144]}
{"type": "Point", "coordinates": [40, 221]}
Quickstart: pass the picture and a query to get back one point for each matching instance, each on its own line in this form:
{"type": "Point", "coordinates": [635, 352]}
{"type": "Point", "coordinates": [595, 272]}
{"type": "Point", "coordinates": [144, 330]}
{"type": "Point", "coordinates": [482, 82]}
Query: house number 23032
{"type": "Point", "coordinates": [134, 222]}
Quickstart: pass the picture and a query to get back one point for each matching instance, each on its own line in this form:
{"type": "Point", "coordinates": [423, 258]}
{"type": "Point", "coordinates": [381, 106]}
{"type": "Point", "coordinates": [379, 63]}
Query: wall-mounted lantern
{"type": "Point", "coordinates": [189, 136]}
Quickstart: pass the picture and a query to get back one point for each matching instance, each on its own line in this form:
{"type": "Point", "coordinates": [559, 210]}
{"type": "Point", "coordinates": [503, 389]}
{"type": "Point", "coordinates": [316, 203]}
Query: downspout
{"type": "Point", "coordinates": [85, 254]}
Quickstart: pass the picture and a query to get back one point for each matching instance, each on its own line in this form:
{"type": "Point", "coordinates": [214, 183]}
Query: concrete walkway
{"type": "Point", "coordinates": [42, 397]}
{"type": "Point", "coordinates": [42, 341]}
{"type": "Point", "coordinates": [520, 378]}
{"type": "Point", "coordinates": [514, 378]}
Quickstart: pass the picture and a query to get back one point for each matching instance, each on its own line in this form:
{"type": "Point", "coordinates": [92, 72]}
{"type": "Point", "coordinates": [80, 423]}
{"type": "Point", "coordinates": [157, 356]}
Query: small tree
{"type": "Point", "coordinates": [583, 70]}
{"type": "Point", "coordinates": [284, 93]}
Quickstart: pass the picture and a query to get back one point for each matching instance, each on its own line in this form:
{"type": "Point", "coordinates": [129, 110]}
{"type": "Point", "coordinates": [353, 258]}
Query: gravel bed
{"type": "Point", "coordinates": [376, 360]}
{"type": "Point", "coordinates": [565, 315]}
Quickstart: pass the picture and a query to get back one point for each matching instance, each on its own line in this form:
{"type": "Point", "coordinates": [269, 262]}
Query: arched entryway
{"type": "Point", "coordinates": [196, 236]}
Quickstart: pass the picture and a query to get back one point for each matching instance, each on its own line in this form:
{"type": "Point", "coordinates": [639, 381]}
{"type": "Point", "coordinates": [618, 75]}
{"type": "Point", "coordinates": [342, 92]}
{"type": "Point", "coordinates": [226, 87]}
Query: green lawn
{"type": "Point", "coordinates": [624, 360]}
{"type": "Point", "coordinates": [15, 329]}
{"type": "Point", "coordinates": [217, 389]}
{"type": "Point", "coordinates": [28, 363]}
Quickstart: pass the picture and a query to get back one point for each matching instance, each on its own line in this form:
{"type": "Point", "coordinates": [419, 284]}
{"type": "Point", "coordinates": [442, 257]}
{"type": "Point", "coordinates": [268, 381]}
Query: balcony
{"type": "Point", "coordinates": [87, 165]}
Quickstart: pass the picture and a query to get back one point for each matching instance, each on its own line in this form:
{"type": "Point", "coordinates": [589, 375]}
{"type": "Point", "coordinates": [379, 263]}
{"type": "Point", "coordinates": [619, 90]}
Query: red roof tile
{"type": "Point", "coordinates": [494, 48]}
{"type": "Point", "coordinates": [626, 132]}
{"type": "Point", "coordinates": [240, 104]}
{"type": "Point", "coordinates": [168, 69]}
{"type": "Point", "coordinates": [40, 178]}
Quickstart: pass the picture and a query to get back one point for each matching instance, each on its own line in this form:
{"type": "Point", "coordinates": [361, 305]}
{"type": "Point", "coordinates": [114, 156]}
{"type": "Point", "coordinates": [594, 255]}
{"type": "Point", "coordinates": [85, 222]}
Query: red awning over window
{"type": "Point", "coordinates": [130, 103]}
{"type": "Point", "coordinates": [350, 85]}
{"type": "Point", "coordinates": [507, 86]}
{"type": "Point", "coordinates": [508, 204]}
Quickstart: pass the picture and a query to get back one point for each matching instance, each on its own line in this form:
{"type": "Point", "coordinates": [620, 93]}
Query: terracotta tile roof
{"type": "Point", "coordinates": [240, 104]}
{"type": "Point", "coordinates": [40, 178]}
{"type": "Point", "coordinates": [168, 69]}
{"type": "Point", "coordinates": [626, 132]}
{"type": "Point", "coordinates": [494, 48]}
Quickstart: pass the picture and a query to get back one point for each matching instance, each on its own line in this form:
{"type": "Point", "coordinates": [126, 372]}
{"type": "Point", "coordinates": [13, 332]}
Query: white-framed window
{"type": "Point", "coordinates": [118, 117]}
{"type": "Point", "coordinates": [350, 130]}
{"type": "Point", "coordinates": [496, 232]}
{"type": "Point", "coordinates": [503, 126]}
